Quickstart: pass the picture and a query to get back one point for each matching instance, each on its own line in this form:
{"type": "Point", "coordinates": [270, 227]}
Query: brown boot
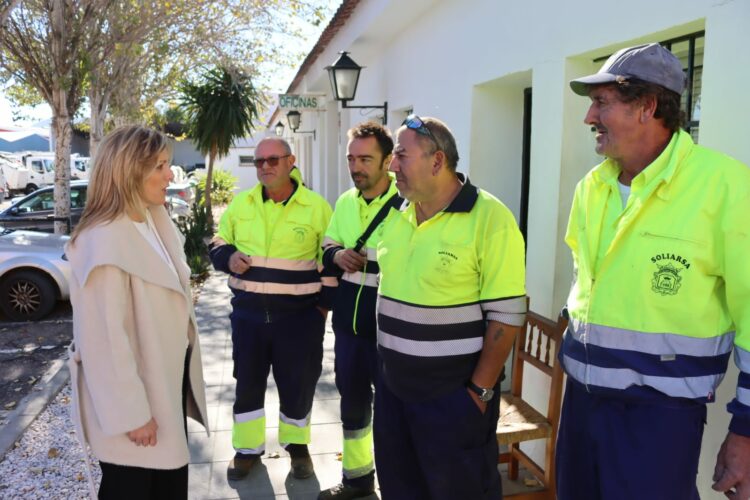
{"type": "Point", "coordinates": [240, 466]}
{"type": "Point", "coordinates": [302, 466]}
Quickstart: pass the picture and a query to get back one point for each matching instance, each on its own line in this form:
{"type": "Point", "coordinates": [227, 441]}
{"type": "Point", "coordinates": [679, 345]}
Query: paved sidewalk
{"type": "Point", "coordinates": [210, 455]}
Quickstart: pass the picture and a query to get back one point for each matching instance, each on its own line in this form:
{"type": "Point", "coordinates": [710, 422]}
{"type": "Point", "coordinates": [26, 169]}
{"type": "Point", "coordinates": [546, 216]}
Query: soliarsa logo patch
{"type": "Point", "coordinates": [667, 279]}
{"type": "Point", "coordinates": [446, 259]}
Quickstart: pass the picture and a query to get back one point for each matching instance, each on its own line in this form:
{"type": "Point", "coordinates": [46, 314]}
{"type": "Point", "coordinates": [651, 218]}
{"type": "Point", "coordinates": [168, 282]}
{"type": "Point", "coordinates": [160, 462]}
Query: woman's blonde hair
{"type": "Point", "coordinates": [124, 158]}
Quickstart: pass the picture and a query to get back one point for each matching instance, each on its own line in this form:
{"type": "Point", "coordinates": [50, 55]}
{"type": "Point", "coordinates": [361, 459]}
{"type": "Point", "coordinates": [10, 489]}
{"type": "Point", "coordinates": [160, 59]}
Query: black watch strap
{"type": "Point", "coordinates": [484, 393]}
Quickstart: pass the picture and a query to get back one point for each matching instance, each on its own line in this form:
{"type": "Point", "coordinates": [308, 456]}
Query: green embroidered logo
{"type": "Point", "coordinates": [299, 234]}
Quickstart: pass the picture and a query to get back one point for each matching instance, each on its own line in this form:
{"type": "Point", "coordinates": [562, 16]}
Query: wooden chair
{"type": "Point", "coordinates": [537, 344]}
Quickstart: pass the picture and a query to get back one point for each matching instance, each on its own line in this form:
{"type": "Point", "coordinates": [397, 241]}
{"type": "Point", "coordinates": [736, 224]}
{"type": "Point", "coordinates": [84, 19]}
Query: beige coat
{"type": "Point", "coordinates": [133, 322]}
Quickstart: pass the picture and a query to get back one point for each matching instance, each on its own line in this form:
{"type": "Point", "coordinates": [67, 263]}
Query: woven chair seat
{"type": "Point", "coordinates": [520, 422]}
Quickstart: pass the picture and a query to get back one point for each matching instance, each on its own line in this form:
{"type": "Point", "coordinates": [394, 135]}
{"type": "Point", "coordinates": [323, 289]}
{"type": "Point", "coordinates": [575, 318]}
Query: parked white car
{"type": "Point", "coordinates": [34, 275]}
{"type": "Point", "coordinates": [184, 191]}
{"type": "Point", "coordinates": [178, 210]}
{"type": "Point", "coordinates": [3, 187]}
{"type": "Point", "coordinates": [179, 174]}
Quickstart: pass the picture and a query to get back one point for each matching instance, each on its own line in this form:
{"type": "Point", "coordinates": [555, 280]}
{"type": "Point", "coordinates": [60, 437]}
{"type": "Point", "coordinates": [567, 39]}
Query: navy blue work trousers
{"type": "Point", "coordinates": [356, 366]}
{"type": "Point", "coordinates": [440, 449]}
{"type": "Point", "coordinates": [292, 346]}
{"type": "Point", "coordinates": [617, 449]}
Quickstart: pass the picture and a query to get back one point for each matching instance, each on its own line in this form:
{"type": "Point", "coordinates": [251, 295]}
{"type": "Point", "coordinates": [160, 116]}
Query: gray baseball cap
{"type": "Point", "coordinates": [650, 62]}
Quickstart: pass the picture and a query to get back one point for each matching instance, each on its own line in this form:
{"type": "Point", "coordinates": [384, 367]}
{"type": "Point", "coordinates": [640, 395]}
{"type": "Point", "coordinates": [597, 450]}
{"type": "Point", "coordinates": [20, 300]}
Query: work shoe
{"type": "Point", "coordinates": [240, 466]}
{"type": "Point", "coordinates": [302, 466]}
{"type": "Point", "coordinates": [345, 492]}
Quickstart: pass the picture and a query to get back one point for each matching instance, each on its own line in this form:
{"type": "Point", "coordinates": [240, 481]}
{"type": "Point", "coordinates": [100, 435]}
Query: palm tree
{"type": "Point", "coordinates": [220, 109]}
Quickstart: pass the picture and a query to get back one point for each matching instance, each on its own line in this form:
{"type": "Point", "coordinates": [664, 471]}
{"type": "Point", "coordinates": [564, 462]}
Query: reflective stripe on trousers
{"type": "Point", "coordinates": [249, 432]}
{"type": "Point", "coordinates": [358, 459]}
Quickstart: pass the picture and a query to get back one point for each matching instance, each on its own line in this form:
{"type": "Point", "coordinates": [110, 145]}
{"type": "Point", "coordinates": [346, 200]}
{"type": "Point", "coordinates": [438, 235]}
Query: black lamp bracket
{"type": "Point", "coordinates": [384, 107]}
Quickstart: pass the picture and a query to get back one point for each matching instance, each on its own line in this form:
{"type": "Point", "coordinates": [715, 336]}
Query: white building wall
{"type": "Point", "coordinates": [468, 63]}
{"type": "Point", "coordinates": [246, 176]}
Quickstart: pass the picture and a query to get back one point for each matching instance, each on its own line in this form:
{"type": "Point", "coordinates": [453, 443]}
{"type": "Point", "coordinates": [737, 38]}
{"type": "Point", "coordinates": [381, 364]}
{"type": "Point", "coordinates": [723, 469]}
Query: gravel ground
{"type": "Point", "coordinates": [47, 461]}
{"type": "Point", "coordinates": [26, 351]}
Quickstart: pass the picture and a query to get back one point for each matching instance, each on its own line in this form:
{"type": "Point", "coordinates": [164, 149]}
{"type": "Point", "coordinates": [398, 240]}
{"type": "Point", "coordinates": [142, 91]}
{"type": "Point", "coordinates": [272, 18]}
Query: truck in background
{"type": "Point", "coordinates": [28, 171]}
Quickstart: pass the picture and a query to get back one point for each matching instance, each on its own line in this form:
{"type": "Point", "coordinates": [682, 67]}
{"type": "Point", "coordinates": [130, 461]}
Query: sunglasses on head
{"type": "Point", "coordinates": [271, 160]}
{"type": "Point", "coordinates": [415, 123]}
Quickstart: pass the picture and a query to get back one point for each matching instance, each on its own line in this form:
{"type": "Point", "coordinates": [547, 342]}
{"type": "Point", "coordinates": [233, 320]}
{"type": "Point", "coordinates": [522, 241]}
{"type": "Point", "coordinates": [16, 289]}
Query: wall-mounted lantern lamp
{"type": "Point", "coordinates": [279, 129]}
{"type": "Point", "coordinates": [344, 76]}
{"type": "Point", "coordinates": [293, 118]}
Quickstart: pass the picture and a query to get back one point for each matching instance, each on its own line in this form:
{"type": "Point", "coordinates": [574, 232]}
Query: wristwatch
{"type": "Point", "coordinates": [484, 393]}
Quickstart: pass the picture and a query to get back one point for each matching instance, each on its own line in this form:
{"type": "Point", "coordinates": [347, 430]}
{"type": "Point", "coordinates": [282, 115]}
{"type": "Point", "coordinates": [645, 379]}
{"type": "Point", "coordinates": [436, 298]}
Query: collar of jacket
{"type": "Point", "coordinates": [391, 189]}
{"type": "Point", "coordinates": [382, 197]}
{"type": "Point", "coordinates": [300, 195]}
{"type": "Point", "coordinates": [463, 202]}
{"type": "Point", "coordinates": [118, 243]}
{"type": "Point", "coordinates": [658, 173]}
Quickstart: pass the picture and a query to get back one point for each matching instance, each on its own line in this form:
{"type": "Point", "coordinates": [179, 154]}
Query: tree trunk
{"type": "Point", "coordinates": [63, 134]}
{"type": "Point", "coordinates": [99, 104]}
{"type": "Point", "coordinates": [209, 186]}
{"type": "Point", "coordinates": [61, 116]}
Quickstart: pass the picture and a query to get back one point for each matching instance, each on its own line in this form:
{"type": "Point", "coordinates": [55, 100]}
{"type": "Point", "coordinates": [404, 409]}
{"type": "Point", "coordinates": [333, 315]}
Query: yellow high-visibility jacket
{"type": "Point", "coordinates": [354, 305]}
{"type": "Point", "coordinates": [440, 282]}
{"type": "Point", "coordinates": [284, 241]}
{"type": "Point", "coordinates": [662, 289]}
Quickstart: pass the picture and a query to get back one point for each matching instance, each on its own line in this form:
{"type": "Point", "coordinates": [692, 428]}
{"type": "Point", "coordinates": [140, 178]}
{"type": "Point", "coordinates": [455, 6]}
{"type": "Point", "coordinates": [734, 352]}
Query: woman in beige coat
{"type": "Point", "coordinates": [135, 361]}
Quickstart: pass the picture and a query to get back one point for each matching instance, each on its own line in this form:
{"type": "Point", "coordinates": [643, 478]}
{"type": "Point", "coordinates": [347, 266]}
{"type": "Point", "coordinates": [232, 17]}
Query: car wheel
{"type": "Point", "coordinates": [30, 189]}
{"type": "Point", "coordinates": [26, 295]}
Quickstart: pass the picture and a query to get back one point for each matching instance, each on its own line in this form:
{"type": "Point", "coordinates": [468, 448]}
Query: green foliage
{"type": "Point", "coordinates": [220, 108]}
{"type": "Point", "coordinates": [173, 114]}
{"type": "Point", "coordinates": [197, 231]}
{"type": "Point", "coordinates": [222, 190]}
{"type": "Point", "coordinates": [22, 95]}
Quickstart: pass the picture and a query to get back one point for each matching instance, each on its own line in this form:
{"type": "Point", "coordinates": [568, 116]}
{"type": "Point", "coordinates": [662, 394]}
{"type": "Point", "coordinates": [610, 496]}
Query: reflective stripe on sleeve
{"type": "Point", "coordinates": [742, 359]}
{"type": "Point", "coordinates": [510, 311]}
{"type": "Point", "coordinates": [743, 396]}
{"type": "Point", "coordinates": [512, 319]}
{"type": "Point", "coordinates": [356, 278]}
{"type": "Point", "coordinates": [515, 305]}
{"type": "Point", "coordinates": [330, 242]}
{"type": "Point", "coordinates": [329, 280]}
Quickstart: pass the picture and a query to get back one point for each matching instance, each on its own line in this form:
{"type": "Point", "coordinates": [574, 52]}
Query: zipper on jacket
{"type": "Point", "coordinates": [269, 240]}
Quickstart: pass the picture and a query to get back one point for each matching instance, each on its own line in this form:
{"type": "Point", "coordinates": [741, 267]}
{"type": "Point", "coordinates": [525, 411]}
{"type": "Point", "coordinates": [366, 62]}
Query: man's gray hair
{"type": "Point", "coordinates": [280, 140]}
{"type": "Point", "coordinates": [444, 138]}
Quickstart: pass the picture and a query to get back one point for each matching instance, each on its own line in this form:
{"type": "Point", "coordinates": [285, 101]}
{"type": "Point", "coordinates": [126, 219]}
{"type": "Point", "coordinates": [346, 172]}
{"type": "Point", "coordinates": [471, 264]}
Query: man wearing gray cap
{"type": "Point", "coordinates": [661, 248]}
